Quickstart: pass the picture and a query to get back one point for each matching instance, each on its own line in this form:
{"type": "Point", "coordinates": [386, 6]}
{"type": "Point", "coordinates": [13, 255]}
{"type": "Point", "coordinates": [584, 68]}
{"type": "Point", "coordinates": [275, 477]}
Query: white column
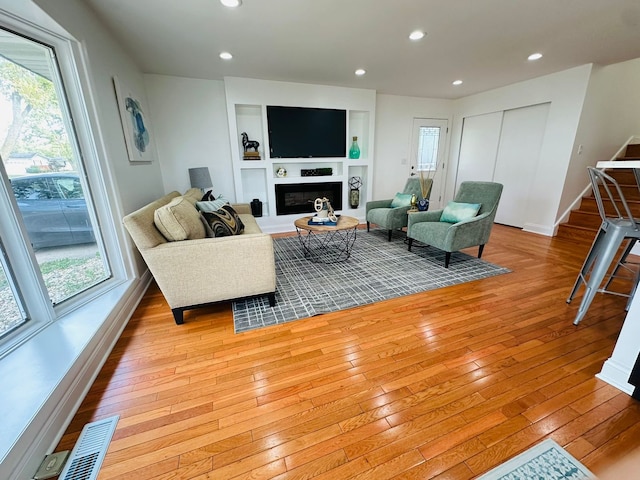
{"type": "Point", "coordinates": [617, 368]}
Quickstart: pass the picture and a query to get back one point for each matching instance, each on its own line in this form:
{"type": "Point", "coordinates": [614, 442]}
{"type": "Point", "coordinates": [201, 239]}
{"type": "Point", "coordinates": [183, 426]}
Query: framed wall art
{"type": "Point", "coordinates": [135, 123]}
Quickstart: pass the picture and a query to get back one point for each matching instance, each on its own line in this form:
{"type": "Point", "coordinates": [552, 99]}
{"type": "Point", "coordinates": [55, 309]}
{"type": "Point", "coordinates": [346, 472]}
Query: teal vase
{"type": "Point", "coordinates": [354, 151]}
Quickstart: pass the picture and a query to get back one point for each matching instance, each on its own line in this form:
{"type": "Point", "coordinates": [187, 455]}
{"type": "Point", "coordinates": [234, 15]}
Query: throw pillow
{"type": "Point", "coordinates": [179, 220]}
{"type": "Point", "coordinates": [208, 196]}
{"type": "Point", "coordinates": [224, 222]}
{"type": "Point", "coordinates": [193, 195]}
{"type": "Point", "coordinates": [456, 212]}
{"type": "Point", "coordinates": [208, 233]}
{"type": "Point", "coordinates": [211, 206]}
{"type": "Point", "coordinates": [401, 200]}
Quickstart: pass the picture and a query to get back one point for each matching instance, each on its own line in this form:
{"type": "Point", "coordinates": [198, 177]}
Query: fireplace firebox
{"type": "Point", "coordinates": [299, 197]}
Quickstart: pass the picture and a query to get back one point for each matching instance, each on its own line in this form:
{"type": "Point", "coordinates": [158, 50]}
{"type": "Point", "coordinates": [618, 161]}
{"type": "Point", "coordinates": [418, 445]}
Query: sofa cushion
{"type": "Point", "coordinates": [224, 222]}
{"type": "Point", "coordinates": [179, 220]}
{"type": "Point", "coordinates": [193, 195]}
{"type": "Point", "coordinates": [456, 212]}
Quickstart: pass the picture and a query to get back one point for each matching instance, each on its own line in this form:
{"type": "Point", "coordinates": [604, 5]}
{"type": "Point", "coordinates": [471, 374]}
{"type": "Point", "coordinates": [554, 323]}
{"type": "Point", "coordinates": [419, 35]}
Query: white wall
{"type": "Point", "coordinates": [45, 379]}
{"type": "Point", "coordinates": [394, 122]}
{"type": "Point", "coordinates": [566, 92]}
{"type": "Point", "coordinates": [190, 122]}
{"type": "Point", "coordinates": [611, 115]}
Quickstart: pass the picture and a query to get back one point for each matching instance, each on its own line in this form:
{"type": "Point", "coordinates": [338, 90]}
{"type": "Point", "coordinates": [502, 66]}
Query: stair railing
{"type": "Point", "coordinates": [632, 140]}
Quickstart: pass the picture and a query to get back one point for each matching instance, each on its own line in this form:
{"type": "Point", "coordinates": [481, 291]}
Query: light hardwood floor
{"type": "Point", "coordinates": [445, 384]}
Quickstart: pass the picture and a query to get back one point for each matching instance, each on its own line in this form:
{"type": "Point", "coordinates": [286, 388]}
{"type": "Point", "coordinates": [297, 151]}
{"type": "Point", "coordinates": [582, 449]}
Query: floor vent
{"type": "Point", "coordinates": [87, 455]}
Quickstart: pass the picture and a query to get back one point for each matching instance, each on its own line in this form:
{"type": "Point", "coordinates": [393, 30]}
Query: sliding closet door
{"type": "Point", "coordinates": [478, 147]}
{"type": "Point", "coordinates": [517, 160]}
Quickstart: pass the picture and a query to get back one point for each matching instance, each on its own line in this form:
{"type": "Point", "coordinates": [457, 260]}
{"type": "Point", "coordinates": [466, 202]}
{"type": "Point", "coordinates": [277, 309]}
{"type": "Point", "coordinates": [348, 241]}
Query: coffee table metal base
{"type": "Point", "coordinates": [327, 244]}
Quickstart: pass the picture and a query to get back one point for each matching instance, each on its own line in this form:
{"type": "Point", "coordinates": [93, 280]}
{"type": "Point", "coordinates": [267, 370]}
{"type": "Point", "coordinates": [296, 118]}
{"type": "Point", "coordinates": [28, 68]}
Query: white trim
{"type": "Point", "coordinates": [616, 374]}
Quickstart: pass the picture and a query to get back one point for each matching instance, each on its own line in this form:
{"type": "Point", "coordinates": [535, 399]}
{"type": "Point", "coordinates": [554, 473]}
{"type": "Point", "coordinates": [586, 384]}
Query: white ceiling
{"type": "Point", "coordinates": [483, 42]}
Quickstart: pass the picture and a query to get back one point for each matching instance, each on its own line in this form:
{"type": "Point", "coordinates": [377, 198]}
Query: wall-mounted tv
{"type": "Point", "coordinates": [299, 132]}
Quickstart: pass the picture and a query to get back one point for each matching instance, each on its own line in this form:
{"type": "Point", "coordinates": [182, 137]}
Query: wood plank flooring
{"type": "Point", "coordinates": [445, 384]}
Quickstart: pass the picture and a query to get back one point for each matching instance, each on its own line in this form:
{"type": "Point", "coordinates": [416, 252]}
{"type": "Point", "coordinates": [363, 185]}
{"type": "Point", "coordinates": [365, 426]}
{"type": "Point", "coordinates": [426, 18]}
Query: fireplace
{"type": "Point", "coordinates": [299, 197]}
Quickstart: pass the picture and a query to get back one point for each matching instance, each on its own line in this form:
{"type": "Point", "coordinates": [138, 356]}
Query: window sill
{"type": "Point", "coordinates": [46, 378]}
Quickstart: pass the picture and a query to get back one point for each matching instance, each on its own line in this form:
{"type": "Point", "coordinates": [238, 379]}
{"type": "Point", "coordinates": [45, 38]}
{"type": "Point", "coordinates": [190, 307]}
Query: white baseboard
{"type": "Point", "coordinates": [617, 375]}
{"type": "Point", "coordinates": [539, 229]}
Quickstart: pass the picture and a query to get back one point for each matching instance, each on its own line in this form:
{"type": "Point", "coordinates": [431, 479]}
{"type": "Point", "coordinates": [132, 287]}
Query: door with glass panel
{"type": "Point", "coordinates": [46, 188]}
{"type": "Point", "coordinates": [428, 141]}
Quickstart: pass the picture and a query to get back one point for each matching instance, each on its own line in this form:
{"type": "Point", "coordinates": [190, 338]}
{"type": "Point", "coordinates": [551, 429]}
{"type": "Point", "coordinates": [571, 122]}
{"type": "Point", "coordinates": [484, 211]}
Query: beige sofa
{"type": "Point", "coordinates": [197, 271]}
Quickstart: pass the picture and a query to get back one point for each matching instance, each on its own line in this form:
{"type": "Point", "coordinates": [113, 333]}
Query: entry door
{"type": "Point", "coordinates": [428, 141]}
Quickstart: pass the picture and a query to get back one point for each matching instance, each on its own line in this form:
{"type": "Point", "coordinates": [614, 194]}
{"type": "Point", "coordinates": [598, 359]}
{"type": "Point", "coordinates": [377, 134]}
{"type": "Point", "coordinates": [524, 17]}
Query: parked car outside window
{"type": "Point", "coordinates": [54, 209]}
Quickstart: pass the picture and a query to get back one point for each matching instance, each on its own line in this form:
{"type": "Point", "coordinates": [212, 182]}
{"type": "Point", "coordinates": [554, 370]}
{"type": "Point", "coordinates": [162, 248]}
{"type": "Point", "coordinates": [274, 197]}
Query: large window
{"type": "Point", "coordinates": [47, 192]}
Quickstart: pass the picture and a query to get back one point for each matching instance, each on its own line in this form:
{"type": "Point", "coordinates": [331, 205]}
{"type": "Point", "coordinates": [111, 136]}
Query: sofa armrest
{"type": "Point", "coordinates": [194, 272]}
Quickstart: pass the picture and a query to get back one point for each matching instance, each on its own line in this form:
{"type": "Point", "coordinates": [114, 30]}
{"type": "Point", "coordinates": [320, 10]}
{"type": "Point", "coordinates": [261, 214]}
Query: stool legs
{"type": "Point", "coordinates": [606, 252]}
{"type": "Point", "coordinates": [588, 262]}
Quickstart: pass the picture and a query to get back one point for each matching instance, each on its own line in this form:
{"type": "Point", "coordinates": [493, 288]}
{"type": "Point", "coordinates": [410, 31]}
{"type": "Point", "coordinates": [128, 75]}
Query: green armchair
{"type": "Point", "coordinates": [427, 228]}
{"type": "Point", "coordinates": [381, 213]}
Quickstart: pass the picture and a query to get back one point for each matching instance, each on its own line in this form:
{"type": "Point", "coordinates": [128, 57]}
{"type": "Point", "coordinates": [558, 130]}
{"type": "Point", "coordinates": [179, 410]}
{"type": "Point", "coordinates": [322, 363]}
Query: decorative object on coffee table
{"type": "Point", "coordinates": [354, 191]}
{"type": "Point", "coordinates": [327, 242]}
{"type": "Point", "coordinates": [250, 144]}
{"type": "Point", "coordinates": [325, 211]}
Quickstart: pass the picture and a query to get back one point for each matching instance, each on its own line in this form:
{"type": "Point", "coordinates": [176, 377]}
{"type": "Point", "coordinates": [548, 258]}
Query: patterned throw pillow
{"type": "Point", "coordinates": [224, 222]}
{"type": "Point", "coordinates": [456, 212]}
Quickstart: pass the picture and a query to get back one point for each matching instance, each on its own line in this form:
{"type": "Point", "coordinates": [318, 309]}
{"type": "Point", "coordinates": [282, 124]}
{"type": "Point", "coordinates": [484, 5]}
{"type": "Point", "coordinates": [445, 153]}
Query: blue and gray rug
{"type": "Point", "coordinates": [377, 270]}
{"type": "Point", "coordinates": [545, 461]}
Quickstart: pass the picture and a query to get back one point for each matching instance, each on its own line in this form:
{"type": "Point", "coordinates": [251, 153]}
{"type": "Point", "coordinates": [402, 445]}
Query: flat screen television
{"type": "Point", "coordinates": [300, 132]}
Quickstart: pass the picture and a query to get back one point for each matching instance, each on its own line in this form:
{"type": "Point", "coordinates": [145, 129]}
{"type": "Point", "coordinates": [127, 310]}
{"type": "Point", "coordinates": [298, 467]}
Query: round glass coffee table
{"type": "Point", "coordinates": [327, 243]}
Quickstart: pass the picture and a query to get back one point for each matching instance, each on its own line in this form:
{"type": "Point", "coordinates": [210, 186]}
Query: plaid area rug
{"type": "Point", "coordinates": [377, 270]}
{"type": "Point", "coordinates": [545, 461]}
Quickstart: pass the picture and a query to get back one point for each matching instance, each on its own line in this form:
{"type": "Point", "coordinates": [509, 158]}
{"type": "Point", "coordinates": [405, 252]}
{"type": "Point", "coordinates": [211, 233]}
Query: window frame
{"type": "Point", "coordinates": [78, 106]}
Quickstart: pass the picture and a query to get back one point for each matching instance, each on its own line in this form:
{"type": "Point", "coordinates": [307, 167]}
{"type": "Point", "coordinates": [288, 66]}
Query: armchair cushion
{"type": "Point", "coordinates": [456, 212]}
{"type": "Point", "coordinates": [179, 220]}
{"type": "Point", "coordinates": [401, 200]}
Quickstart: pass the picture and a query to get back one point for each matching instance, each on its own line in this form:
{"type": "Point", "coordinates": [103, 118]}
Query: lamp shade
{"type": "Point", "coordinates": [200, 178]}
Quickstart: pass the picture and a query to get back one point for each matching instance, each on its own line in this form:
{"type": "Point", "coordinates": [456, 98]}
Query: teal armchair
{"type": "Point", "coordinates": [381, 213]}
{"type": "Point", "coordinates": [427, 228]}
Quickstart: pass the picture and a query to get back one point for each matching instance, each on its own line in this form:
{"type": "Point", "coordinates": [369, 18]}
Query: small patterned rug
{"type": "Point", "coordinates": [376, 270]}
{"type": "Point", "coordinates": [545, 461]}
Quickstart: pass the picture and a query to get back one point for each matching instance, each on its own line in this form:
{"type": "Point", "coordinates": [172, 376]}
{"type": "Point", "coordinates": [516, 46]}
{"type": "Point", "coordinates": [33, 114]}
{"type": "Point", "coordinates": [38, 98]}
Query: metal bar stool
{"type": "Point", "coordinates": [612, 233]}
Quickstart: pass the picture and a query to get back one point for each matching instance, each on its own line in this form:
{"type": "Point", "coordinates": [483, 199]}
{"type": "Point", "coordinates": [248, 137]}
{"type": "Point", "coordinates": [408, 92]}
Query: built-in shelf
{"type": "Point", "coordinates": [249, 98]}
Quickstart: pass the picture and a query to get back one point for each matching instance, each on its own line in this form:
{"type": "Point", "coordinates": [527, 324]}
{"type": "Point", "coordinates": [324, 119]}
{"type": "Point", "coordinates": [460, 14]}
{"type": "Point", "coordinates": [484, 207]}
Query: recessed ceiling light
{"type": "Point", "coordinates": [226, 56]}
{"type": "Point", "coordinates": [457, 82]}
{"type": "Point", "coordinates": [360, 72]}
{"type": "Point", "coordinates": [416, 35]}
{"type": "Point", "coordinates": [231, 3]}
{"type": "Point", "coordinates": [535, 56]}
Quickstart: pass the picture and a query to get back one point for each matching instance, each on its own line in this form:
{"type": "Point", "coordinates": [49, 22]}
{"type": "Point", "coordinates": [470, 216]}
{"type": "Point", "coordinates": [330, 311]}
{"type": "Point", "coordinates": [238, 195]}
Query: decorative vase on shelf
{"type": "Point", "coordinates": [354, 151]}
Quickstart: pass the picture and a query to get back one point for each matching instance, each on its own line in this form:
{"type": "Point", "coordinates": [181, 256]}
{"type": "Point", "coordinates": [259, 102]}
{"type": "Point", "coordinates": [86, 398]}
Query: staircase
{"type": "Point", "coordinates": [584, 222]}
